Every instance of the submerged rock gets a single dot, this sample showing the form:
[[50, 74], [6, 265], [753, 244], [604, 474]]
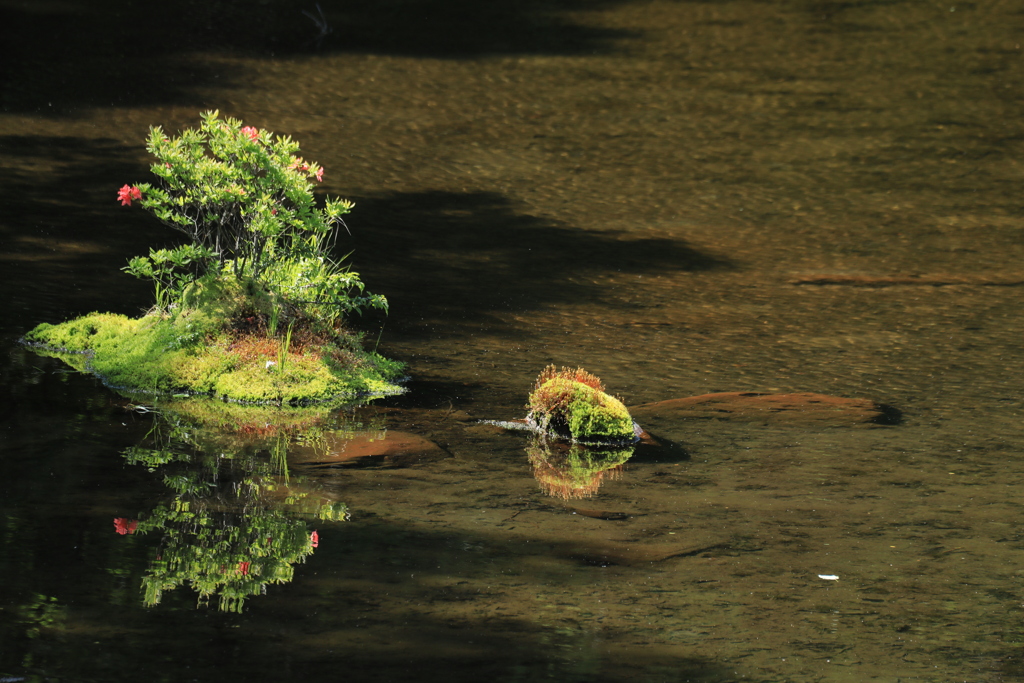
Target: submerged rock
[[780, 409], [387, 446]]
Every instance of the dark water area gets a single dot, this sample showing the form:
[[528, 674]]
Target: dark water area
[[682, 197]]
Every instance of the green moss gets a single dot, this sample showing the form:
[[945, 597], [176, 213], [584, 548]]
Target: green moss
[[196, 352], [579, 410]]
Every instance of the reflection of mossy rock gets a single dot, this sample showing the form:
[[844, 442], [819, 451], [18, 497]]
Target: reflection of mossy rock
[[203, 350], [574, 471], [572, 404]]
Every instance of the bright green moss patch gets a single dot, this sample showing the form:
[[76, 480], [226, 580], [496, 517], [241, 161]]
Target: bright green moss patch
[[573, 404], [200, 352]]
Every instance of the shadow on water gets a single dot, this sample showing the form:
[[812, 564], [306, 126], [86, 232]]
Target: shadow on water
[[66, 237], [85, 54], [464, 28], [461, 257], [438, 256], [410, 597], [58, 179], [379, 619]]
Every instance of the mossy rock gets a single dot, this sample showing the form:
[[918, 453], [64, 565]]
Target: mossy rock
[[200, 350], [573, 405]]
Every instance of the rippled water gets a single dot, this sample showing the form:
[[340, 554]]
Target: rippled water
[[682, 197]]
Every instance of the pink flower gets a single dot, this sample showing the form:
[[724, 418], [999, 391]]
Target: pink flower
[[299, 166], [123, 525], [314, 538], [127, 193], [253, 134], [320, 174], [243, 568]]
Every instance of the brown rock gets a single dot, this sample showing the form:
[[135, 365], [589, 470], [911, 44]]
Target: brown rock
[[1010, 280], [636, 554], [780, 409], [390, 445]]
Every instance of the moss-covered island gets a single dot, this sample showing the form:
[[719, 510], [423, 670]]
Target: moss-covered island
[[252, 308], [572, 404]]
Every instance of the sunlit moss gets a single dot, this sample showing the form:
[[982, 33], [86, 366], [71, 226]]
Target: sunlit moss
[[204, 348], [572, 404]]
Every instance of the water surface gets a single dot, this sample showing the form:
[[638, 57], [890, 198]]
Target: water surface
[[683, 198]]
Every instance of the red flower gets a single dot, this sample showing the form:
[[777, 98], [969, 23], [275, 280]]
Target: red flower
[[243, 568], [314, 538], [320, 175], [253, 134], [123, 525], [127, 193]]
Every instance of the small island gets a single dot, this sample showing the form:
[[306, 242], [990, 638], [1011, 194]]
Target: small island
[[252, 308]]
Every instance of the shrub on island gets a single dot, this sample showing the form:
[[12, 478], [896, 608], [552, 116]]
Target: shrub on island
[[253, 307]]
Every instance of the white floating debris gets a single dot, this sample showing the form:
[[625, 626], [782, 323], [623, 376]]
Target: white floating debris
[[829, 577]]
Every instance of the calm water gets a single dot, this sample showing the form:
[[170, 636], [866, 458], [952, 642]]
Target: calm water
[[682, 197]]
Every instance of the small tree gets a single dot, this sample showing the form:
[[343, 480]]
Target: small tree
[[245, 200]]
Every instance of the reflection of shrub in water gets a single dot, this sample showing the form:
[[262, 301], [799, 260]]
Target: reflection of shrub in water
[[232, 556], [237, 520], [572, 470], [40, 613]]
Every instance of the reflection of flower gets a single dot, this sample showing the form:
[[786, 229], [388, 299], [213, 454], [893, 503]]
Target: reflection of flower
[[123, 525], [220, 554], [230, 542], [127, 193]]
